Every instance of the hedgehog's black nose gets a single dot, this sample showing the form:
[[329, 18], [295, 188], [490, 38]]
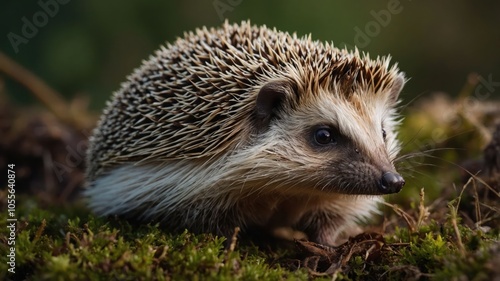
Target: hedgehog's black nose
[[391, 183]]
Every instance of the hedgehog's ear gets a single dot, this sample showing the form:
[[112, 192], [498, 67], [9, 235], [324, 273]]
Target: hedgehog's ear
[[269, 99], [397, 86]]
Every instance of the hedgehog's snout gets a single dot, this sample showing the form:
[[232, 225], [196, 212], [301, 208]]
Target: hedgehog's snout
[[391, 183]]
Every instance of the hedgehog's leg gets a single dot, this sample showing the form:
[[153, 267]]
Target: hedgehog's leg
[[328, 227], [334, 222], [322, 227]]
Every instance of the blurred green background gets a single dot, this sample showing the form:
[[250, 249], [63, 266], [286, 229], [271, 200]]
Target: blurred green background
[[88, 47]]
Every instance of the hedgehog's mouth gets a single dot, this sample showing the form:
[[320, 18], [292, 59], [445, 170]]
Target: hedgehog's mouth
[[388, 182]]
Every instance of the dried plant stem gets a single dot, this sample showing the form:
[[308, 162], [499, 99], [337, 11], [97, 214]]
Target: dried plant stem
[[423, 212], [454, 218], [464, 97], [410, 221], [43, 92], [234, 239]]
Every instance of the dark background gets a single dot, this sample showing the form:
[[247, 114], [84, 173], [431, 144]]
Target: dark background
[[88, 47]]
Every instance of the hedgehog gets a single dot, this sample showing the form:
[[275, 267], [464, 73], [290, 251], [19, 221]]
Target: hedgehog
[[251, 127]]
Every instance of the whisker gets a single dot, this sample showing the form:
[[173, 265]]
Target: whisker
[[403, 107], [413, 138], [477, 178], [424, 153]]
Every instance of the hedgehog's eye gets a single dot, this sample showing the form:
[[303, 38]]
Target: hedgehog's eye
[[324, 136], [384, 134]]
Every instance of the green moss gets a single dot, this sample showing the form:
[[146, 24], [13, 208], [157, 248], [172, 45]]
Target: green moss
[[69, 243], [54, 247]]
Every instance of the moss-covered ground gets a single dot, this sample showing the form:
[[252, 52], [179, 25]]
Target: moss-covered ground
[[445, 225], [71, 244]]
